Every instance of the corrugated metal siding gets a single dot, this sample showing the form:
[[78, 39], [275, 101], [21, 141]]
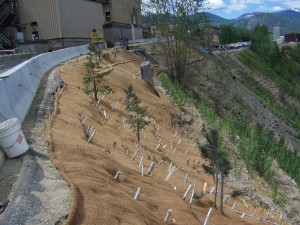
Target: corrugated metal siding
[[122, 11], [44, 12], [79, 17]]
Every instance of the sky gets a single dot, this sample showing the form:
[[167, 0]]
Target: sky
[[230, 9]]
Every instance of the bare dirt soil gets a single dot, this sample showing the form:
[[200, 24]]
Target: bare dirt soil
[[97, 198]]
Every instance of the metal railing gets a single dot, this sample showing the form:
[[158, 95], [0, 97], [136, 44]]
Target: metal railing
[[5, 41]]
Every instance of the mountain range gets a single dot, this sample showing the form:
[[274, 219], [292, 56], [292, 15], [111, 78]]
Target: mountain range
[[288, 20]]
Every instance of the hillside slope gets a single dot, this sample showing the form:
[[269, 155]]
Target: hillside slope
[[243, 97], [90, 167]]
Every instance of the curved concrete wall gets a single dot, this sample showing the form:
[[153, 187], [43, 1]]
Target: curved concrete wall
[[18, 85]]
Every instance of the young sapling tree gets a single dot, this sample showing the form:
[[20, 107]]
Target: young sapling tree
[[137, 114]]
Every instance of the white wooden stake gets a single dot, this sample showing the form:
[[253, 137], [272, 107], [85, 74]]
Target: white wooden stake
[[91, 137], [137, 148], [157, 146], [83, 121], [134, 155], [98, 102], [175, 133], [142, 166], [192, 196], [150, 168], [225, 199], [171, 164], [179, 141], [160, 162], [137, 194], [245, 204], [174, 168], [164, 146], [186, 178], [104, 113], [187, 192], [157, 131], [141, 161], [117, 176], [207, 217], [212, 190], [168, 215], [233, 205]]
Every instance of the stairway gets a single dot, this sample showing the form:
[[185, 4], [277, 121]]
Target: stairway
[[5, 42], [8, 12]]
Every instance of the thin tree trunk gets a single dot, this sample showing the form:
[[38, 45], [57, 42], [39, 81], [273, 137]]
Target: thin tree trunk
[[216, 188], [138, 129], [222, 191], [95, 88]]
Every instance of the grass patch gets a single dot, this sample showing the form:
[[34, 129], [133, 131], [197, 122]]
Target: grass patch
[[258, 146], [285, 84]]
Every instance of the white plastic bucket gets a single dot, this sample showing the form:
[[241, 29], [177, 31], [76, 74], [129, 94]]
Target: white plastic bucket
[[12, 139]]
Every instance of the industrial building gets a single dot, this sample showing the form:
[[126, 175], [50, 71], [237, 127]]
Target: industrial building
[[122, 20], [276, 33], [64, 23], [292, 37]]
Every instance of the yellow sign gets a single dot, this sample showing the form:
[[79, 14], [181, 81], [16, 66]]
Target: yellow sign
[[97, 37]]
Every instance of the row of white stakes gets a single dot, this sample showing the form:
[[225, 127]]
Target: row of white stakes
[[251, 215], [171, 169]]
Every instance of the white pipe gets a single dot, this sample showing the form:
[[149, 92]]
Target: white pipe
[[168, 215], [207, 217], [137, 194], [187, 192]]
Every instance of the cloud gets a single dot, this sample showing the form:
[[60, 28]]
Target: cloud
[[287, 3], [236, 7], [277, 8], [232, 5], [216, 4]]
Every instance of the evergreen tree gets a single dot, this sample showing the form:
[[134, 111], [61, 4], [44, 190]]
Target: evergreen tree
[[223, 166], [210, 150], [92, 78], [137, 114], [219, 161]]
